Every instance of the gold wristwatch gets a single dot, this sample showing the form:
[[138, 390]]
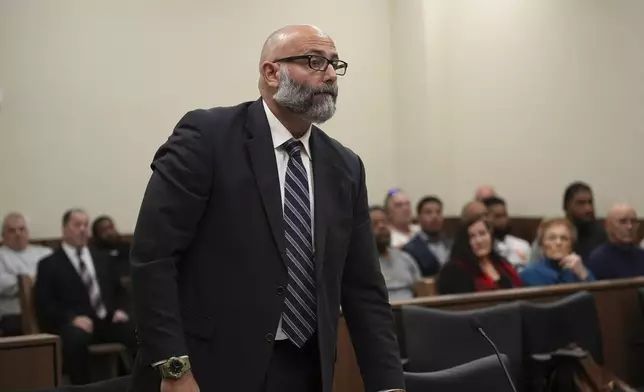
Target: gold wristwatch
[[174, 368]]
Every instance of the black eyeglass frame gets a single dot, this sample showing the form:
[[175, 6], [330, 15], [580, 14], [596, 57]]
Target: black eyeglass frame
[[336, 63]]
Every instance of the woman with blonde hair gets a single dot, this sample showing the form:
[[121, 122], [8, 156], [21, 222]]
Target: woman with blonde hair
[[558, 263]]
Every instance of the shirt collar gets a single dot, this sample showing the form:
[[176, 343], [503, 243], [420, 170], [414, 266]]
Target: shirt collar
[[71, 250], [281, 135]]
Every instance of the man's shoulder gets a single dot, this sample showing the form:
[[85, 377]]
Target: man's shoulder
[[207, 118], [343, 156]]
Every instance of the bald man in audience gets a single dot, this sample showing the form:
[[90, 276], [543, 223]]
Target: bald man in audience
[[474, 210], [17, 257], [621, 257], [483, 192], [399, 212], [253, 232]]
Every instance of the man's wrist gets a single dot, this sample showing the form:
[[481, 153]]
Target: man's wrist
[[157, 364]]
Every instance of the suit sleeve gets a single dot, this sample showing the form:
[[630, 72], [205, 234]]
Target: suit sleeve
[[365, 304], [49, 311], [172, 207]]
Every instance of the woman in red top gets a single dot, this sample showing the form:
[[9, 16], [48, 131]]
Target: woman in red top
[[474, 265]]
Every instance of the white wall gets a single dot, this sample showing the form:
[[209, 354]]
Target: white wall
[[526, 94], [92, 88], [441, 95]]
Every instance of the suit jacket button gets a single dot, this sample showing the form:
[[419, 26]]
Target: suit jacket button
[[280, 290], [270, 337]]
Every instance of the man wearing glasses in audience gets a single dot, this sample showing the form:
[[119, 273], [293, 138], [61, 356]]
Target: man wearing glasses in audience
[[253, 232]]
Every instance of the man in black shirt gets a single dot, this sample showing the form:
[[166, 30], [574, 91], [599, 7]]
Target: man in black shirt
[[106, 238]]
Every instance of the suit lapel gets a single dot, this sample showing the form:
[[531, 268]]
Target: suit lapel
[[71, 269], [327, 187], [262, 159], [102, 275]]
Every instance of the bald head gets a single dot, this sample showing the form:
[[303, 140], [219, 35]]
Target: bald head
[[279, 42], [474, 210], [622, 224], [483, 192], [14, 231]]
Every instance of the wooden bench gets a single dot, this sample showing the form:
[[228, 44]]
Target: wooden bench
[[105, 356], [29, 362], [618, 306]]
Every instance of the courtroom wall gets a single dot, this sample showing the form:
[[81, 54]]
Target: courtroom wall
[[92, 88], [526, 94]]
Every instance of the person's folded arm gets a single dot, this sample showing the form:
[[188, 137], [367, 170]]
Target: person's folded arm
[[8, 280], [365, 304], [172, 207]]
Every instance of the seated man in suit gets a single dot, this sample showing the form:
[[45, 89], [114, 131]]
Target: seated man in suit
[[430, 246], [78, 295]]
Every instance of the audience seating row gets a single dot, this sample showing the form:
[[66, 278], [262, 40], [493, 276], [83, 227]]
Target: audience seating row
[[522, 227], [618, 311]]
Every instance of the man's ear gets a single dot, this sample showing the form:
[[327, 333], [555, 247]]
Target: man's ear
[[271, 73]]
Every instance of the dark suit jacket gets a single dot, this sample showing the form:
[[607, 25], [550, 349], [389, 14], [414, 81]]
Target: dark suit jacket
[[427, 261], [208, 256], [60, 294]]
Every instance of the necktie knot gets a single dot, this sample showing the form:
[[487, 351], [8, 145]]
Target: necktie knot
[[293, 147]]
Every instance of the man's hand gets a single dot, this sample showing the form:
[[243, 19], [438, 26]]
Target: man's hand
[[574, 263], [83, 322], [187, 383], [120, 317]]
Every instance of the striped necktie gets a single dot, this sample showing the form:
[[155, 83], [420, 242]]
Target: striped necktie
[[299, 315], [91, 285]]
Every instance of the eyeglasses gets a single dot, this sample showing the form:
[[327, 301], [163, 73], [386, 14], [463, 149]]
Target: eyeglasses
[[319, 63]]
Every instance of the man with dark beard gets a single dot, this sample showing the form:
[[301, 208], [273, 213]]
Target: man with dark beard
[[254, 230], [514, 249], [579, 206], [107, 239]]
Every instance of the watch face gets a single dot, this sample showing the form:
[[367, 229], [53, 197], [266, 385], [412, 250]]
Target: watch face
[[175, 366]]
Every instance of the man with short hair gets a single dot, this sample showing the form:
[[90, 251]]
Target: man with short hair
[[621, 257], [514, 249], [579, 206], [474, 210], [399, 213], [430, 246], [398, 268], [78, 295], [17, 257], [254, 230]]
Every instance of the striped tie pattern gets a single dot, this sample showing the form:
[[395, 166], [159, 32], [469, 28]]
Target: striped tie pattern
[[92, 287], [299, 318]]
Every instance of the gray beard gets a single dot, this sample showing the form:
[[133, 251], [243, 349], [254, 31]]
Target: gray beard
[[301, 98]]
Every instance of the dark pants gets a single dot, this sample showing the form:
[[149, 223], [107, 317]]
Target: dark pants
[[294, 369], [76, 341], [10, 325]]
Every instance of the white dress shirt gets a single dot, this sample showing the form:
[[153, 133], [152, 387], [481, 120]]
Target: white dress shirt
[[12, 264], [281, 135]]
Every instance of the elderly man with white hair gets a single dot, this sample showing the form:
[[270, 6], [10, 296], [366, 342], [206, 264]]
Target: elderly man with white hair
[[17, 257]]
